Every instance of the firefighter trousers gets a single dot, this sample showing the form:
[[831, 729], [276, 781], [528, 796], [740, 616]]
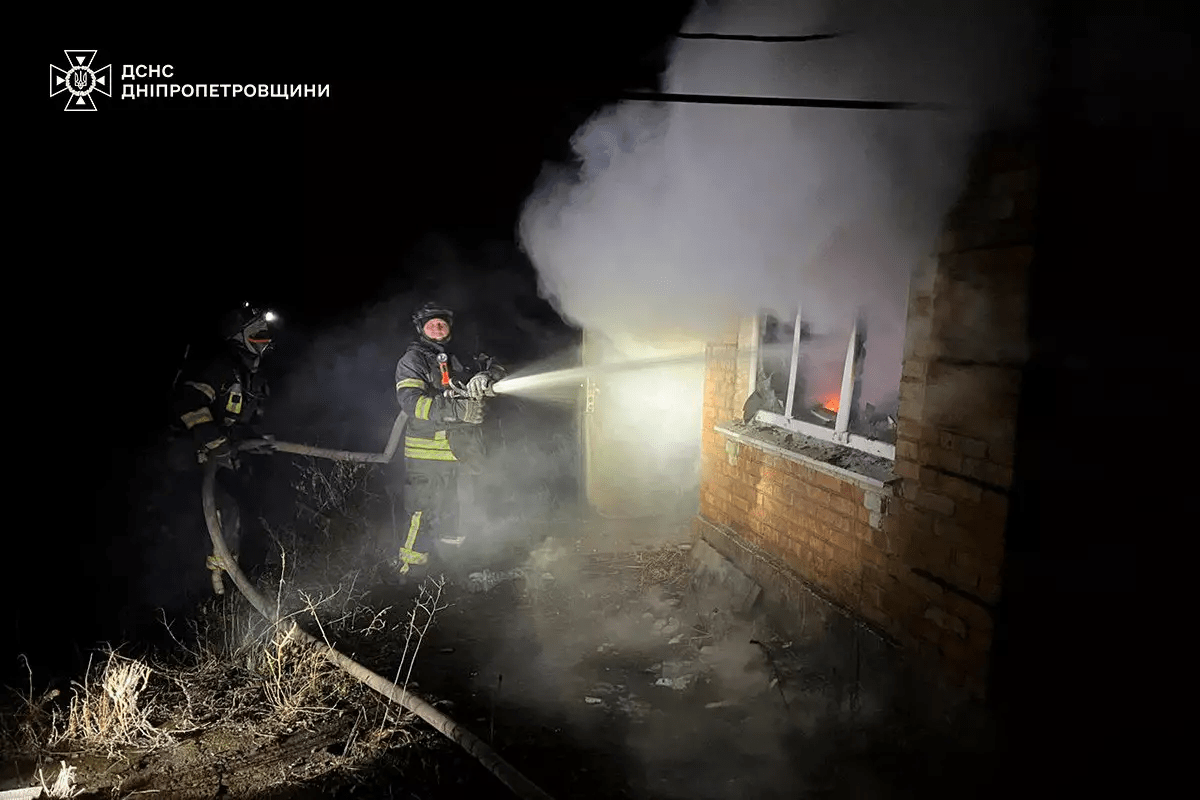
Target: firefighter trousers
[[430, 519]]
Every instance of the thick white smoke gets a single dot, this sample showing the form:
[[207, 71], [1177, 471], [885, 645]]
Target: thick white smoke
[[681, 216]]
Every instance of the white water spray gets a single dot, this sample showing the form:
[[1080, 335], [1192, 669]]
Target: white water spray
[[556, 380]]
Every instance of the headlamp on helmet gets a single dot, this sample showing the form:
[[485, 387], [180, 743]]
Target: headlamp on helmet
[[250, 328]]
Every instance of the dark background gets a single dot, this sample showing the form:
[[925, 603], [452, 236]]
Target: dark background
[[163, 213], [322, 209]]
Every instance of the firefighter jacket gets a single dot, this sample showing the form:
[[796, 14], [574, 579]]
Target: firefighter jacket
[[434, 432], [219, 398]]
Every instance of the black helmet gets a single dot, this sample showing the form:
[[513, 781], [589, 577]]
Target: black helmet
[[431, 310], [249, 327]]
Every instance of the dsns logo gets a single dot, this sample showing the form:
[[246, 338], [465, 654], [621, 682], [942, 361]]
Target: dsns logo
[[80, 80]]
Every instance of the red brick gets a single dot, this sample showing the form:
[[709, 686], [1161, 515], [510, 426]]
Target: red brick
[[879, 540], [907, 449], [1001, 453], [907, 427], [971, 448], [901, 602], [827, 482], [769, 534], [847, 583], [776, 508], [876, 615], [844, 506], [955, 652], [744, 491], [952, 532], [937, 503], [958, 489], [833, 520], [979, 622], [994, 505], [871, 555], [989, 587], [923, 587], [922, 628], [840, 559], [914, 522], [934, 554], [811, 522], [816, 495], [946, 459]]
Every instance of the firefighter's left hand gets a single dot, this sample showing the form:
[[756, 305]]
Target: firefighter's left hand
[[480, 386]]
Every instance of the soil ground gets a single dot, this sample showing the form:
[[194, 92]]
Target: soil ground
[[598, 671]]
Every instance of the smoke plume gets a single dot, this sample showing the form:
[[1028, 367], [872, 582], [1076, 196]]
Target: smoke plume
[[679, 217]]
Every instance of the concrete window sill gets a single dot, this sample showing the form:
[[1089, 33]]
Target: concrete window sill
[[870, 472]]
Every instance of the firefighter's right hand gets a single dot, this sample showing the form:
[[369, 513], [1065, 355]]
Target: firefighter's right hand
[[469, 411]]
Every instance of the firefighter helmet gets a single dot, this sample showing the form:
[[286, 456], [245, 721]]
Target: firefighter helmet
[[430, 311], [249, 327]]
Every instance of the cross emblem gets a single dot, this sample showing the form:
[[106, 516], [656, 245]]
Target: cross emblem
[[80, 80]]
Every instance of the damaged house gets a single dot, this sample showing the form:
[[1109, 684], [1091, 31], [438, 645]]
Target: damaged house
[[888, 514]]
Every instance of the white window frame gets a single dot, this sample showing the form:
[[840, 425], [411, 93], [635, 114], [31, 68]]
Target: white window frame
[[840, 433]]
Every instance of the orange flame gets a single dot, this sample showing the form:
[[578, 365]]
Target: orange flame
[[831, 402]]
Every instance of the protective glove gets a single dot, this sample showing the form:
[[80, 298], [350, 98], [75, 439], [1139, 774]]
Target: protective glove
[[480, 386], [469, 411]]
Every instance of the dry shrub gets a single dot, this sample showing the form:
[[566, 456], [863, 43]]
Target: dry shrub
[[297, 679], [107, 712], [333, 487], [27, 719]]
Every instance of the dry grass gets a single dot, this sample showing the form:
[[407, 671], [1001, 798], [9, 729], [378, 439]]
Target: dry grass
[[111, 711], [667, 566], [239, 672], [27, 725], [332, 488], [64, 783]]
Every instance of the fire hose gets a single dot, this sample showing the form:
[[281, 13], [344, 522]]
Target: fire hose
[[476, 747]]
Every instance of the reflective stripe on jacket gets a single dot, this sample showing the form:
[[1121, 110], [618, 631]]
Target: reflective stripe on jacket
[[431, 417], [216, 394]]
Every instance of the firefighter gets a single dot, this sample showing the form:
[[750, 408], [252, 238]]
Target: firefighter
[[219, 399], [443, 440]]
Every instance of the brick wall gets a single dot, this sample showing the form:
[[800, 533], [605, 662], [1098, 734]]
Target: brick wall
[[919, 557]]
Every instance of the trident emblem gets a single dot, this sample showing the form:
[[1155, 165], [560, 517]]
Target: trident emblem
[[80, 80]]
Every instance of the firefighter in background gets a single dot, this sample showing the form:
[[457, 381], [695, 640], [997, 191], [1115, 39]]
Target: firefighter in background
[[443, 399], [218, 399]]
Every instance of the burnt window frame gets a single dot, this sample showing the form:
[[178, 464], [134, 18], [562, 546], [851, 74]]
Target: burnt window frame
[[847, 402]]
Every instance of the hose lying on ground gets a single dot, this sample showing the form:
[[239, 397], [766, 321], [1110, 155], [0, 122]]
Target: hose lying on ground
[[505, 772]]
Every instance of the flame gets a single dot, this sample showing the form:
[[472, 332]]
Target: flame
[[831, 402]]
